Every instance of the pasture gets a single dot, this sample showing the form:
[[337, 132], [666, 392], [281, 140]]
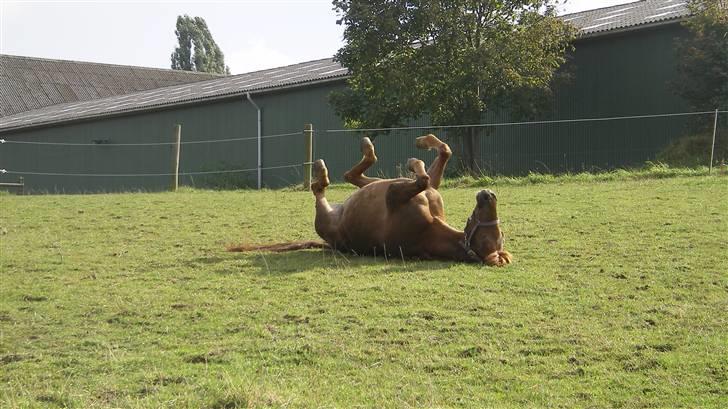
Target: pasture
[[617, 297]]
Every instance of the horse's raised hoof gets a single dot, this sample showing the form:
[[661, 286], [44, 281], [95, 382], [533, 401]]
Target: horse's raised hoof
[[367, 148], [428, 142], [320, 175], [414, 164]]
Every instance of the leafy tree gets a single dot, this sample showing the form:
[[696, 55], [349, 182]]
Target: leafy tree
[[703, 56], [449, 59], [197, 51]]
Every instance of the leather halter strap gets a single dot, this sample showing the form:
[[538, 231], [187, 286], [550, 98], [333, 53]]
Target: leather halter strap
[[469, 235]]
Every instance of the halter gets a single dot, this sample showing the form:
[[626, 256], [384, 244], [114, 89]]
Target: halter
[[469, 236]]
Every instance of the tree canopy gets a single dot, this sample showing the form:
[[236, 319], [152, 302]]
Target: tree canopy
[[703, 56], [197, 50], [449, 59]]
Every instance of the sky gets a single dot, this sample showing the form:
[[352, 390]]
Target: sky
[[253, 34]]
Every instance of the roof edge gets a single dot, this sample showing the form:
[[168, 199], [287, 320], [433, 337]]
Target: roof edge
[[24, 57], [163, 107], [600, 8], [623, 30]]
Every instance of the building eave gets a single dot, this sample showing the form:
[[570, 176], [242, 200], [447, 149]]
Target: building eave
[[168, 106], [618, 31]]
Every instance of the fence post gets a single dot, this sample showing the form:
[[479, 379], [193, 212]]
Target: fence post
[[175, 157], [712, 146], [21, 182], [308, 141]]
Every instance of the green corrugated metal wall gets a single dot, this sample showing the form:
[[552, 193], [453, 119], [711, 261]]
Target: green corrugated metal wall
[[615, 75]]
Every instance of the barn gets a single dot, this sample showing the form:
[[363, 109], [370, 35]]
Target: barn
[[246, 130]]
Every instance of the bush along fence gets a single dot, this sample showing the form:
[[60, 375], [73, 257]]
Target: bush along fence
[[276, 160]]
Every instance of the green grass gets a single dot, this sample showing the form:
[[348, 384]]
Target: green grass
[[649, 171], [618, 297]]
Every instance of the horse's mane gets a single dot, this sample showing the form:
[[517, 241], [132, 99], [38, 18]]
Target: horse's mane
[[280, 247]]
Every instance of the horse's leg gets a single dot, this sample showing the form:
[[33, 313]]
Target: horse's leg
[[437, 168], [326, 216], [401, 192], [355, 175]]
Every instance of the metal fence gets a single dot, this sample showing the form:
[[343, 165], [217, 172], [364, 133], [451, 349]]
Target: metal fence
[[505, 148], [517, 148]]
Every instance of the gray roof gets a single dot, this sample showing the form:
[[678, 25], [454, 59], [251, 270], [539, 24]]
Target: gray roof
[[28, 83], [592, 22], [307, 72], [627, 16]]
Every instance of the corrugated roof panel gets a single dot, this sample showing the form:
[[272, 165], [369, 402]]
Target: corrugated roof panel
[[52, 91], [109, 79], [66, 92], [591, 22]]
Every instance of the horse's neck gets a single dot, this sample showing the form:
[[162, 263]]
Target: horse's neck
[[447, 242]]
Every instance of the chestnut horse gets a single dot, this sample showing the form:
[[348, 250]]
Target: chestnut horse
[[401, 217]]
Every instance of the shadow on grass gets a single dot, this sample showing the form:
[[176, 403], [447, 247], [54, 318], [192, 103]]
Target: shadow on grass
[[306, 260]]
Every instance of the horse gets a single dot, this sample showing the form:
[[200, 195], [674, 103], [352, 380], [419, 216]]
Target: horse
[[401, 217]]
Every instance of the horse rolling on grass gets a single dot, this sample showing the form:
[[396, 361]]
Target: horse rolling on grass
[[401, 217]]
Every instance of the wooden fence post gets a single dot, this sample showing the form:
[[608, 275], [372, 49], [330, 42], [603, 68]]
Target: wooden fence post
[[175, 157], [712, 145], [308, 140]]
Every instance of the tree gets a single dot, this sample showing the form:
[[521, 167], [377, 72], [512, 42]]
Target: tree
[[449, 59], [703, 56], [197, 51]]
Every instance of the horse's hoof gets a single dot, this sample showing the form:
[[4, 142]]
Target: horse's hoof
[[320, 172], [367, 148], [428, 142], [411, 163], [319, 167]]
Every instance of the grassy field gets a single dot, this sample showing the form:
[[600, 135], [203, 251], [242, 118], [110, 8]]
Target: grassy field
[[618, 297]]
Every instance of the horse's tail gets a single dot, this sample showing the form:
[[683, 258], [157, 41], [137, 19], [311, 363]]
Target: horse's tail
[[280, 247]]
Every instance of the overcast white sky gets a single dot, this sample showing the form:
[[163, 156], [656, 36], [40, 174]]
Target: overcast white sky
[[252, 34]]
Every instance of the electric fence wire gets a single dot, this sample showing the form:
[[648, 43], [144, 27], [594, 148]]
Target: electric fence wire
[[497, 124], [3, 141], [212, 172]]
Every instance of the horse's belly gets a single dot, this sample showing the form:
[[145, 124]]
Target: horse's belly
[[363, 224], [367, 226]]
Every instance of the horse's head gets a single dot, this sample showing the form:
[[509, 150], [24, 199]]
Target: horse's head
[[483, 236]]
